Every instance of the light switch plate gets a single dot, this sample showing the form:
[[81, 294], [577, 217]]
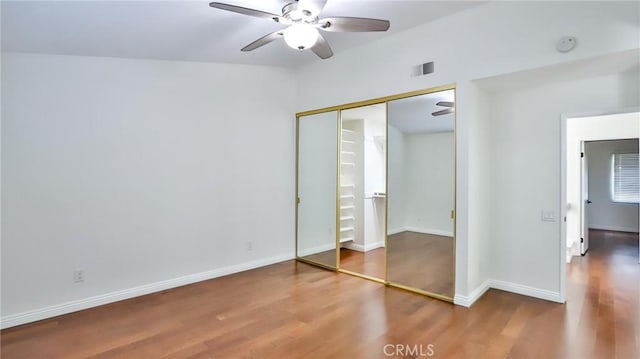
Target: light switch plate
[[548, 216]]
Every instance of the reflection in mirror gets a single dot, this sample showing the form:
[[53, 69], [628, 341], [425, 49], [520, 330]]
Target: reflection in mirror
[[317, 182], [421, 196], [362, 190]]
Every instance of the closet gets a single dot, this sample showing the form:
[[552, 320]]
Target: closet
[[375, 185]]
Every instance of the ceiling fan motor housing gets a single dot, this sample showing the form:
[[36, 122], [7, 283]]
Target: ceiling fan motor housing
[[298, 16]]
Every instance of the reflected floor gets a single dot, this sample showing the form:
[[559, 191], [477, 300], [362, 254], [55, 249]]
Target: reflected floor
[[423, 261], [327, 258], [369, 263], [419, 260]]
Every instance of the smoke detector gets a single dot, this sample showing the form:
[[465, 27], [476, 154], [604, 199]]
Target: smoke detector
[[566, 43]]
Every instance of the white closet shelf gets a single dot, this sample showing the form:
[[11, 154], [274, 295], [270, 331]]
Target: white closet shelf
[[346, 141], [348, 164], [346, 239], [347, 185], [346, 229], [346, 218], [347, 207], [348, 153], [347, 196], [347, 131]]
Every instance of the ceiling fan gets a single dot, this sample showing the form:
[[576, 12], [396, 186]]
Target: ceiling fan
[[301, 17], [446, 111]]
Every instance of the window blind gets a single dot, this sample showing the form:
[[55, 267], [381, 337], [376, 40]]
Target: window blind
[[626, 178]]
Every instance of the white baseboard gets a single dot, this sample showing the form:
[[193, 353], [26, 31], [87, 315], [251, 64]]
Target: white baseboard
[[468, 300], [363, 248], [605, 227], [393, 231], [435, 232], [86, 303], [526, 290], [316, 250]]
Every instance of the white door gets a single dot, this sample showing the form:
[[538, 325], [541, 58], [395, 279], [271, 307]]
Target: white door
[[584, 201]]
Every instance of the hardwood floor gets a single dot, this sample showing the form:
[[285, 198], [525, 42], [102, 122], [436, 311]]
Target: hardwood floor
[[293, 310], [369, 263], [423, 261], [328, 258]]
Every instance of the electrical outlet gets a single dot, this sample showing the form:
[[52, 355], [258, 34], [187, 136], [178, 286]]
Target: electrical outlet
[[78, 276], [249, 245]]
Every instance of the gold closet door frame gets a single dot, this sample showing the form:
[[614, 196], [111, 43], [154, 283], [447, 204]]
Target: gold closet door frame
[[375, 101]]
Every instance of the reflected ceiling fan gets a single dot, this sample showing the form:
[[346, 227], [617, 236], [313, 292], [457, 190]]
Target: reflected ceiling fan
[[450, 108], [301, 17]]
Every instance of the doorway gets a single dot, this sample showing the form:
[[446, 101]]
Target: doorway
[[610, 196], [591, 187]]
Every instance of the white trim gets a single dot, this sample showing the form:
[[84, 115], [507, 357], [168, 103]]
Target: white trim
[[102, 299], [467, 301], [613, 228], [363, 248], [396, 231], [435, 232], [527, 290], [316, 250]]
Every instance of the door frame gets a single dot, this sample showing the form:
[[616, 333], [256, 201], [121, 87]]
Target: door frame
[[562, 258]]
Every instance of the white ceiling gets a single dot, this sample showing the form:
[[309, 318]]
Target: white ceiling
[[412, 115], [190, 30]]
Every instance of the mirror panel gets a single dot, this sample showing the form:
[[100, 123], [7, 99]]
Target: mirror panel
[[362, 190], [421, 192], [317, 178]]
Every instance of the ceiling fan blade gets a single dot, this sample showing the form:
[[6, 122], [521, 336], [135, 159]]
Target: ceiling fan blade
[[322, 48], [246, 11], [443, 112], [263, 41], [445, 103], [315, 6], [353, 24]]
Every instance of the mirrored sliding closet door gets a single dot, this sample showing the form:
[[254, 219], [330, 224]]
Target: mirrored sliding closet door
[[317, 178], [421, 193]]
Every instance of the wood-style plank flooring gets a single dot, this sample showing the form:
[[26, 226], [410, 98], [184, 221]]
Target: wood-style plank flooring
[[369, 263], [293, 310], [423, 261]]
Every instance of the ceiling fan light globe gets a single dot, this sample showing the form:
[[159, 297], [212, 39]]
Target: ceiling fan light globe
[[301, 36]]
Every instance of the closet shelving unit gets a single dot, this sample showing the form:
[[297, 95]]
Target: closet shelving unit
[[347, 187]]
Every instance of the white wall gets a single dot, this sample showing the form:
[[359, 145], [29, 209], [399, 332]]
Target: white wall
[[317, 173], [488, 40], [479, 196], [603, 212], [525, 126], [137, 172], [396, 187], [430, 161]]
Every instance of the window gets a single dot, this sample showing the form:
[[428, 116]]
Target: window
[[625, 181]]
